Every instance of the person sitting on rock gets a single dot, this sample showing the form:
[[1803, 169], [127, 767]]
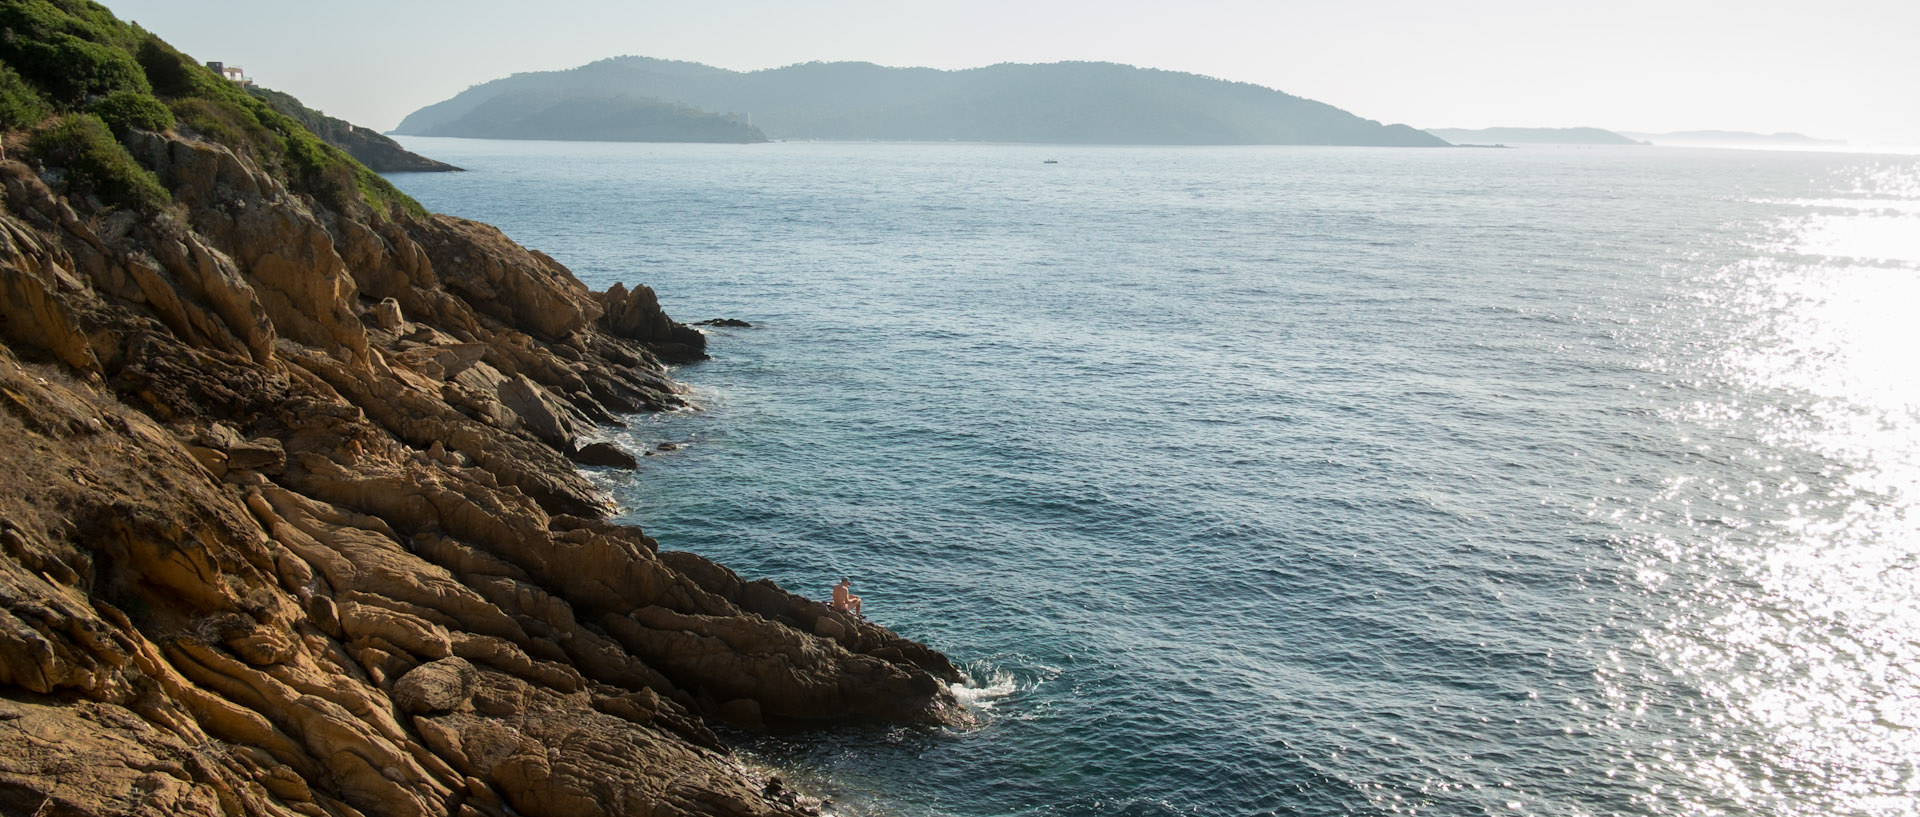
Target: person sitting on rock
[[843, 598]]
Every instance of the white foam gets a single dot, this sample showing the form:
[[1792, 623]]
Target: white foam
[[981, 696]]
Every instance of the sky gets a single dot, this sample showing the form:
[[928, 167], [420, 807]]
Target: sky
[[1838, 69]]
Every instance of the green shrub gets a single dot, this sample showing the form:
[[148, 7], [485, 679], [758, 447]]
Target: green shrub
[[222, 121], [71, 54], [328, 174], [70, 50], [20, 105], [97, 163], [96, 22], [382, 196], [130, 110], [71, 69], [174, 74], [208, 119], [317, 167]]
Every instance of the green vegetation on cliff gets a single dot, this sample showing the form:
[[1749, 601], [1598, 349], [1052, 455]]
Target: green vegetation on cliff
[[96, 164], [291, 523], [64, 63], [372, 149], [20, 104], [131, 110], [1067, 103]]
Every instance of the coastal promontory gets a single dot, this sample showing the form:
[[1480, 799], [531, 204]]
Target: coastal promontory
[[366, 145], [291, 522]]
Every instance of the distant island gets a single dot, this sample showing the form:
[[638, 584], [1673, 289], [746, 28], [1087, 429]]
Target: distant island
[[1531, 136], [644, 99], [1734, 138], [588, 116]]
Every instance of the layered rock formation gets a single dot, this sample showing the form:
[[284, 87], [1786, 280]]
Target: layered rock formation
[[289, 527]]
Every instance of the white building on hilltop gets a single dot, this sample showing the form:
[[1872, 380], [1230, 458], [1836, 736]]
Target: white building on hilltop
[[233, 73]]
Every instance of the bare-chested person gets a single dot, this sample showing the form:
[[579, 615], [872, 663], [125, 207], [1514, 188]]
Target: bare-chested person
[[843, 598]]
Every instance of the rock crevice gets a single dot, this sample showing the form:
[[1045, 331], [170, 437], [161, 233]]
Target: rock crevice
[[291, 526]]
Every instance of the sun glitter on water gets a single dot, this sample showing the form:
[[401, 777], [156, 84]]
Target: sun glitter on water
[[1355, 401], [1794, 608]]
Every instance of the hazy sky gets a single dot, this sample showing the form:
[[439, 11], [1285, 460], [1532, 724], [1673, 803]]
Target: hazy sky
[[1831, 68]]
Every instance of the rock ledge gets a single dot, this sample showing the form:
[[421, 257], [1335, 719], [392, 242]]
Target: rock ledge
[[290, 525]]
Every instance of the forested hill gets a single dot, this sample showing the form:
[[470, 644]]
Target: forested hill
[[1067, 103]]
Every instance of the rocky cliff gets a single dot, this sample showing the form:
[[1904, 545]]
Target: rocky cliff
[[288, 522]]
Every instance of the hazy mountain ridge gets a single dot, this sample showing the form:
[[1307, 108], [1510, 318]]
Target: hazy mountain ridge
[[538, 114], [1070, 102], [1531, 136], [1727, 137]]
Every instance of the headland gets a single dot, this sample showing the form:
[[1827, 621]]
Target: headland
[[293, 521]]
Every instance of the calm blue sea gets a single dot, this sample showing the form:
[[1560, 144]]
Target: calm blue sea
[[1299, 481]]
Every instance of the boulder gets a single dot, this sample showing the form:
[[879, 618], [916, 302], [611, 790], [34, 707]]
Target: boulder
[[828, 628], [263, 454], [438, 686], [636, 314], [606, 455], [386, 315], [547, 416]]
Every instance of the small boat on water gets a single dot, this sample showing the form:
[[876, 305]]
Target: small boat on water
[[1051, 162]]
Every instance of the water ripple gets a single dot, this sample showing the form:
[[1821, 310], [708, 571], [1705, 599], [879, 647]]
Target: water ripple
[[1301, 481]]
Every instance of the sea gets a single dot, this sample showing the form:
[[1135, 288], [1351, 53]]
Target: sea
[[1296, 480]]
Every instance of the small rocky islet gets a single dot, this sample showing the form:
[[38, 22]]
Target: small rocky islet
[[292, 521]]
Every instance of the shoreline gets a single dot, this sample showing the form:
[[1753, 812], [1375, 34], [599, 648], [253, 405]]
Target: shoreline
[[362, 553], [297, 525]]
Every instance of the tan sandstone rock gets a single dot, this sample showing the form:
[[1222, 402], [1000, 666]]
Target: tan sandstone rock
[[290, 527]]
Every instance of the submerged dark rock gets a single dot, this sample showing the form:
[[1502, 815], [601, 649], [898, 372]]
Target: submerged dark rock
[[733, 323]]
